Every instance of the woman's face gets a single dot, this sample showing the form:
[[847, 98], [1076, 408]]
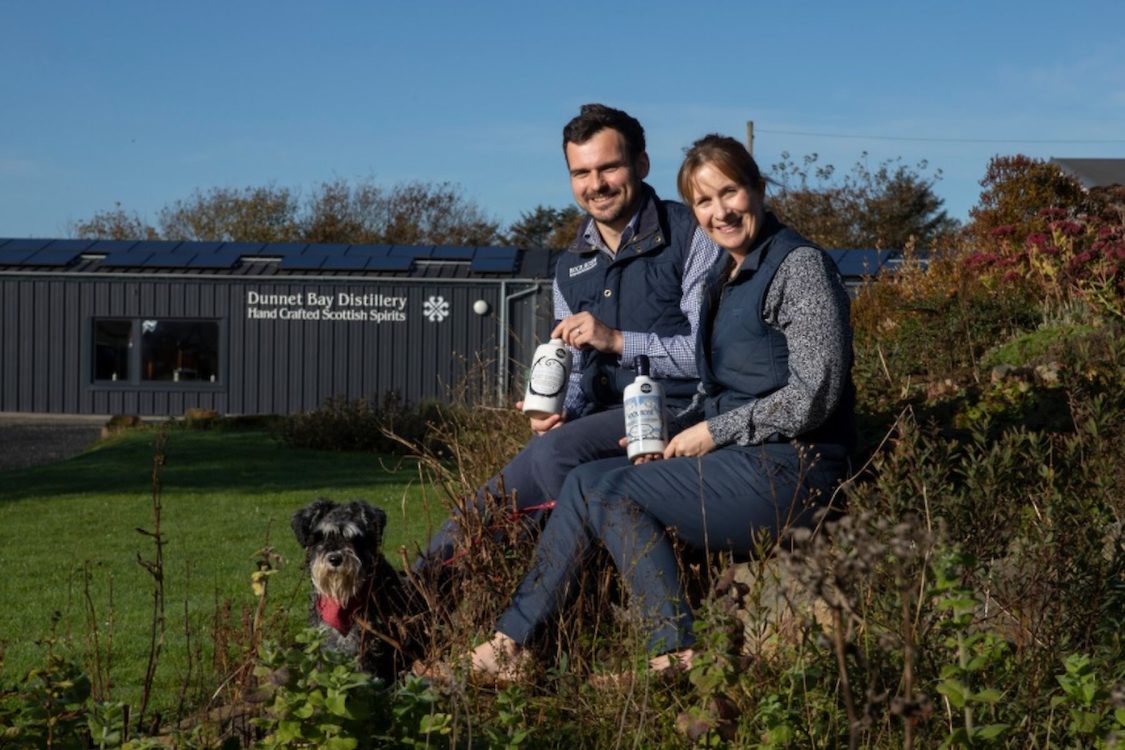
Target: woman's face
[[729, 212]]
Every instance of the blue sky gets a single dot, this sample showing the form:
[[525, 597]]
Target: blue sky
[[140, 103]]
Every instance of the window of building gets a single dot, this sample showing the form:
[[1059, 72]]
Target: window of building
[[155, 351], [179, 350], [111, 349]]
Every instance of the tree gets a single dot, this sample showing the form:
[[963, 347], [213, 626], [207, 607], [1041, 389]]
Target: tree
[[1017, 190], [262, 214], [415, 213], [337, 212], [116, 224], [418, 213], [544, 227], [889, 207]]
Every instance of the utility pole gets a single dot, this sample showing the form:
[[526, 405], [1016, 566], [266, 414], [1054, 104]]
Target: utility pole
[[750, 136]]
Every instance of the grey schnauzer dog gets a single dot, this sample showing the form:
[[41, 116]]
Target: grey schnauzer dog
[[363, 605]]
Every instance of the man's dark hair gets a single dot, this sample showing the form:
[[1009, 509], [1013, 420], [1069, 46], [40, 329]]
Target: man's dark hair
[[596, 117]]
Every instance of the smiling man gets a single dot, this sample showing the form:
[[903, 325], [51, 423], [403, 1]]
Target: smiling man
[[629, 284]]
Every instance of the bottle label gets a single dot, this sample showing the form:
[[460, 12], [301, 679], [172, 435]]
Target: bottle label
[[548, 375], [644, 417]]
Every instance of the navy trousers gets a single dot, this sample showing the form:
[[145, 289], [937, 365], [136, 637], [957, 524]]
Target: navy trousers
[[721, 501], [536, 474]]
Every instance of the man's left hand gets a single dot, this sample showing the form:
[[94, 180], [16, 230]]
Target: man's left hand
[[583, 330]]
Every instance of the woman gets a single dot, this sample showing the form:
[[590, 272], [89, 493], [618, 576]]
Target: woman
[[764, 443]]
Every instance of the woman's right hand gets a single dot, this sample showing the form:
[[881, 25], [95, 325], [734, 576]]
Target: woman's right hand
[[694, 441]]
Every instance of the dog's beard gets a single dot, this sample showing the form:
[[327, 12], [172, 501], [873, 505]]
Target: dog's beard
[[340, 582]]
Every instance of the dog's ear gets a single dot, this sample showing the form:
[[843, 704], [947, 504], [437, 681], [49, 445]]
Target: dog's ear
[[374, 519], [306, 518]]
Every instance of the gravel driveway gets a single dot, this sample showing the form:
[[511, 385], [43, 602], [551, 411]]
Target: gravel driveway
[[34, 439]]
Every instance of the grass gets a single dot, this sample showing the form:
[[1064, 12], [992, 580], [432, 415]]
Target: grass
[[225, 496]]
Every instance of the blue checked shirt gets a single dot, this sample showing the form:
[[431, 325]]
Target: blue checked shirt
[[669, 356]]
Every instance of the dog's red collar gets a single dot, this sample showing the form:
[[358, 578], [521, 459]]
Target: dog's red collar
[[338, 616]]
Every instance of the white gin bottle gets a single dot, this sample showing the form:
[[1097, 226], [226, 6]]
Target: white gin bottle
[[644, 412], [547, 379]]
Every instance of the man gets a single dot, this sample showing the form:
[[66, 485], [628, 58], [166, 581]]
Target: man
[[629, 284]]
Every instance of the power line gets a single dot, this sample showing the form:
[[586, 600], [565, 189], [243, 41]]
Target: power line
[[935, 140]]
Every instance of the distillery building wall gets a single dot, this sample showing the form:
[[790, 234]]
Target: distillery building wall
[[158, 345]]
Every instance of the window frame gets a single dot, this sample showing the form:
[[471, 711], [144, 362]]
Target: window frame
[[136, 381]]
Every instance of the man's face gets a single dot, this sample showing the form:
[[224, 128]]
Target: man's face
[[606, 183]]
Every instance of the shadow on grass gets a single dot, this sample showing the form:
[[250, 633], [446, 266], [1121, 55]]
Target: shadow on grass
[[202, 461]]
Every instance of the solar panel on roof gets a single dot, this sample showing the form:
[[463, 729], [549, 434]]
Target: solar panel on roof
[[128, 259], [283, 248], [390, 263], [156, 246], [411, 251], [493, 265], [29, 245], [13, 257], [325, 250], [111, 246], [301, 262], [53, 258], [345, 262], [214, 260], [369, 250], [242, 248], [450, 252], [199, 247], [861, 262], [78, 245], [494, 252], [3, 241], [171, 260]]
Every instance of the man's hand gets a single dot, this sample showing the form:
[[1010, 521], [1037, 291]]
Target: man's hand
[[541, 425], [694, 441], [583, 330]]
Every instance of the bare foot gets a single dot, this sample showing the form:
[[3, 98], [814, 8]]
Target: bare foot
[[665, 666], [672, 662], [500, 658]]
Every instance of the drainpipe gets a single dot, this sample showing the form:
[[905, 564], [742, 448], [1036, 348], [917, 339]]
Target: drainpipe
[[502, 364]]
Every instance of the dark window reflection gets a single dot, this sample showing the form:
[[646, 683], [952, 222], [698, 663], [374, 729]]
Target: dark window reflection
[[111, 349], [180, 351]]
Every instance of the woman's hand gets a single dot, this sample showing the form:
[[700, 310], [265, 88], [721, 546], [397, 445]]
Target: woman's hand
[[694, 441]]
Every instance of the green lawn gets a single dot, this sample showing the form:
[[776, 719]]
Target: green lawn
[[225, 496]]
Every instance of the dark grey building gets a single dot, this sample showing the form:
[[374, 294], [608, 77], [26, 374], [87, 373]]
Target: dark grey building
[[155, 328], [1092, 173]]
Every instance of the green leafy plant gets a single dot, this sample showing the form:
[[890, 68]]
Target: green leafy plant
[[1094, 720]]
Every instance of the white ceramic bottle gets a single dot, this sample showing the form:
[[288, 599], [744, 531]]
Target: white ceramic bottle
[[547, 379], [644, 412]]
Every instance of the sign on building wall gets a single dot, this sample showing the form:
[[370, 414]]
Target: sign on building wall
[[349, 306]]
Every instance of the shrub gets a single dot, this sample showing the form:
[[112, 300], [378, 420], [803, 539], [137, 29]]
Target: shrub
[[344, 424]]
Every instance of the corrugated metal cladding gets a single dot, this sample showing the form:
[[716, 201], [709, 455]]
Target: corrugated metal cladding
[[285, 344]]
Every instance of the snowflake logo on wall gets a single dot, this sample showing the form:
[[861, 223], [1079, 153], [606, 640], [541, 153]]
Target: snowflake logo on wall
[[436, 309]]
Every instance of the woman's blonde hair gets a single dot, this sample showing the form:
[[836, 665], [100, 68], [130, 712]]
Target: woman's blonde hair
[[728, 156]]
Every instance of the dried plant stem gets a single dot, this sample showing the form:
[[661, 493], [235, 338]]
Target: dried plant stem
[[155, 568], [845, 685]]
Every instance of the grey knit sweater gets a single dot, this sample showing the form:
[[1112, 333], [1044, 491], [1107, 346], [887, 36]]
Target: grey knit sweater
[[807, 302]]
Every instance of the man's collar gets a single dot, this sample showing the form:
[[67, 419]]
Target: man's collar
[[593, 237]]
